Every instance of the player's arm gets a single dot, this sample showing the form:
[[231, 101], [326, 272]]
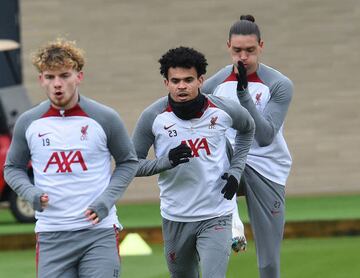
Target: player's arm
[[144, 138], [215, 80], [15, 169], [244, 124], [270, 121], [126, 163]]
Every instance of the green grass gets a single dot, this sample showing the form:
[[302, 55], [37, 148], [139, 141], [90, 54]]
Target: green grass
[[297, 209], [323, 208], [330, 257], [139, 215], [148, 215], [8, 224]]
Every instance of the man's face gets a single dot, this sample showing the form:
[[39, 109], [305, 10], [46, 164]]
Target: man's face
[[247, 49], [183, 84], [61, 86]]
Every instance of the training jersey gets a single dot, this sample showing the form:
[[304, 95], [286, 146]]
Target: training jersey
[[70, 152], [192, 191], [267, 99]]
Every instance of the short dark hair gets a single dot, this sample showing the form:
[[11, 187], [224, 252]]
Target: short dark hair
[[245, 26], [183, 57]]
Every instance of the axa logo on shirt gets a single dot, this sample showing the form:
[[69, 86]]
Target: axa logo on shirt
[[197, 145], [62, 161]]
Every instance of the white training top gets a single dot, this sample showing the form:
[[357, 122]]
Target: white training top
[[267, 99], [192, 191], [71, 153]]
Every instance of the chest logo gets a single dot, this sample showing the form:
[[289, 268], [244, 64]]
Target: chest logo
[[167, 127], [197, 145], [43, 134], [213, 122], [84, 133], [258, 98], [64, 161]]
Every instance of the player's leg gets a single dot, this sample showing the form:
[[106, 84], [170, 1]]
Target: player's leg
[[266, 206], [101, 257], [56, 255], [213, 245], [239, 242], [180, 249]]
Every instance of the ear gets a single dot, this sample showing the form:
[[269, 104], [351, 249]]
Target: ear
[[228, 44], [201, 80], [40, 79], [80, 75], [166, 84], [261, 44]]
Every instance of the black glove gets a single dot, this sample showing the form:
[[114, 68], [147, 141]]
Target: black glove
[[230, 187], [241, 77], [179, 154]]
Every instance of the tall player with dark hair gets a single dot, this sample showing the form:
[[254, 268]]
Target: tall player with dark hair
[[266, 94], [197, 180]]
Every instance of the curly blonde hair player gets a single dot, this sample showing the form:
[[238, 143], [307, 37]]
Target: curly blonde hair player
[[58, 54], [68, 160]]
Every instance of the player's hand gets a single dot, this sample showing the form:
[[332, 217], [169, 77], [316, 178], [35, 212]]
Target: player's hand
[[44, 201], [230, 187], [92, 216], [241, 77], [179, 154]]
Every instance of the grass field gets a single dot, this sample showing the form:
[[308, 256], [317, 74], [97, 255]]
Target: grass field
[[316, 258], [148, 215], [328, 257], [297, 209]]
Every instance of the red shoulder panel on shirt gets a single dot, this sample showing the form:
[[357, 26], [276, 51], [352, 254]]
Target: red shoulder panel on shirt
[[168, 108], [75, 111], [231, 77], [254, 78], [251, 78], [210, 104]]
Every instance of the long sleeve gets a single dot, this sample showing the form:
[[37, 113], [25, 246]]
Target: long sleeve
[[215, 80], [143, 139], [126, 164], [244, 125], [270, 121], [15, 169]]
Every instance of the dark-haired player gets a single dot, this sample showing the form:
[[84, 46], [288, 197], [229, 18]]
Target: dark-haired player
[[266, 94], [197, 180]]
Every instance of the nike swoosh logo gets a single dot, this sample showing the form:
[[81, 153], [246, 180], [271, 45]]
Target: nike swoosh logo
[[274, 212], [167, 127], [41, 135]]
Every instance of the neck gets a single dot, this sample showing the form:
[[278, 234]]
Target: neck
[[189, 109]]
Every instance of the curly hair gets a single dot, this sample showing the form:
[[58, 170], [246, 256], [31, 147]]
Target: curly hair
[[183, 57], [58, 54]]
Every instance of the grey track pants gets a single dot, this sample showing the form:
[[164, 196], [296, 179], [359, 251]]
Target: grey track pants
[[188, 244], [91, 253], [266, 206]]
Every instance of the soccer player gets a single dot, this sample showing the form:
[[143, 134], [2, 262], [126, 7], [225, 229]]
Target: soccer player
[[70, 140], [197, 180], [266, 94]]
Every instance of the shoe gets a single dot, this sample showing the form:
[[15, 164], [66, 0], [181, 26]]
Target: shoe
[[239, 244]]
